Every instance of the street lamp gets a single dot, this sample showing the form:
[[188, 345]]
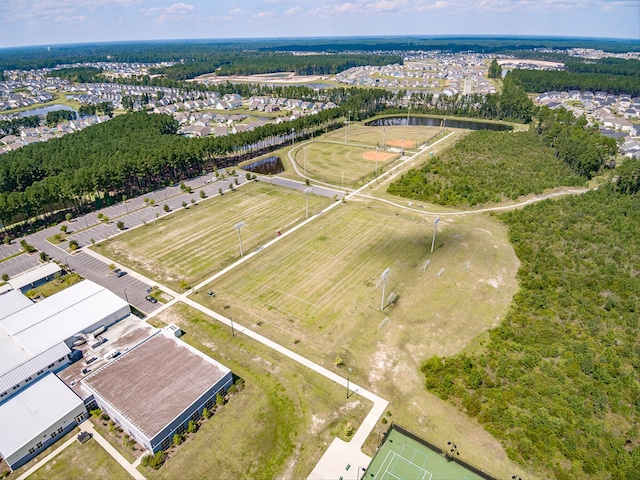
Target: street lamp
[[346, 132], [238, 226], [384, 131], [125, 295], [307, 191], [408, 113], [293, 137], [435, 224]]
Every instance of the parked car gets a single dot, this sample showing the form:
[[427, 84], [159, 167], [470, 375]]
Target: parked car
[[121, 274], [151, 299]]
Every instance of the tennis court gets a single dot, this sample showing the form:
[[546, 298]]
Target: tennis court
[[401, 457]]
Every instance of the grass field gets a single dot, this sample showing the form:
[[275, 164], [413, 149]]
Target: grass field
[[338, 163], [316, 294], [89, 462], [278, 426], [192, 244]]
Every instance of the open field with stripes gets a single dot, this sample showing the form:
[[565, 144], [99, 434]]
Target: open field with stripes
[[192, 244]]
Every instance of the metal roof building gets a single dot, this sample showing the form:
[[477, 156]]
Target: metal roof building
[[154, 389], [35, 337], [31, 420], [34, 277]]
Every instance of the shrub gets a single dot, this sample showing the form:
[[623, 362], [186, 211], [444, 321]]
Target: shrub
[[348, 429], [220, 191], [96, 412], [6, 240], [232, 390], [68, 216], [184, 204], [5, 277], [44, 257], [192, 427], [153, 461], [231, 186], [166, 207], [73, 245], [338, 361], [63, 228], [219, 399], [235, 180], [193, 201], [202, 194], [239, 383], [120, 225], [248, 176], [177, 439], [206, 413]]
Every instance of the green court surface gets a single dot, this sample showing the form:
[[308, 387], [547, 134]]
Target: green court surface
[[401, 457]]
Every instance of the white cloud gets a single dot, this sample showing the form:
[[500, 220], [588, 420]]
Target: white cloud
[[262, 15], [293, 11]]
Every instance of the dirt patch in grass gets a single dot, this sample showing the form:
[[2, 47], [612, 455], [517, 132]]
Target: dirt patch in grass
[[378, 156], [401, 143]]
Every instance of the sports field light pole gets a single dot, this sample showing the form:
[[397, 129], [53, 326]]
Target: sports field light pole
[[346, 132], [435, 224], [408, 113], [384, 131], [383, 283], [238, 226], [307, 191]]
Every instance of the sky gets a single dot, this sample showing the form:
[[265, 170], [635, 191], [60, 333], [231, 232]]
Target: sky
[[50, 22]]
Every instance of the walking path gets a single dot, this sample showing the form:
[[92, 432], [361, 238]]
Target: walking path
[[88, 427]]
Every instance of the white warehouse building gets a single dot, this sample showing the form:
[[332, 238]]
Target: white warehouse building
[[36, 418], [35, 339]]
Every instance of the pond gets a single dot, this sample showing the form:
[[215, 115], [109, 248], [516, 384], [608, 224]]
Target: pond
[[437, 122], [44, 110], [265, 166]]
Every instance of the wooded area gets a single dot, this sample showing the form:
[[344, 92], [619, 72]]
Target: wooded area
[[538, 81], [485, 167], [558, 380]]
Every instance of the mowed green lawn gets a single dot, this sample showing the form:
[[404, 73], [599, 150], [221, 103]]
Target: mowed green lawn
[[278, 426], [89, 462], [190, 245], [339, 164], [316, 293], [319, 285]]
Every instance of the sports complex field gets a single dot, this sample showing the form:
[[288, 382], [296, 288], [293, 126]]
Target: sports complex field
[[402, 457], [192, 244], [340, 164]]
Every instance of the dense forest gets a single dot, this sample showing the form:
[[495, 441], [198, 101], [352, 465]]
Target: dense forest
[[558, 381], [485, 167], [249, 63], [27, 58], [137, 152], [490, 166], [537, 81]]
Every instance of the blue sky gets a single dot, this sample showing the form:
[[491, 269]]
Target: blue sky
[[48, 22]]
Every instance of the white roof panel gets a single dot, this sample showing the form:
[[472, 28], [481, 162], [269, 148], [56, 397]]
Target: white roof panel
[[34, 275], [13, 301], [34, 410], [61, 316], [32, 366], [11, 353]]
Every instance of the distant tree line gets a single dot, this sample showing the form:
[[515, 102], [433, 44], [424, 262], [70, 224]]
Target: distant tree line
[[58, 116], [79, 74], [537, 81], [511, 104], [138, 152], [104, 108], [12, 127]]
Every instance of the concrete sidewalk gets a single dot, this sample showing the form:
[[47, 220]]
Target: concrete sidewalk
[[131, 470]]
